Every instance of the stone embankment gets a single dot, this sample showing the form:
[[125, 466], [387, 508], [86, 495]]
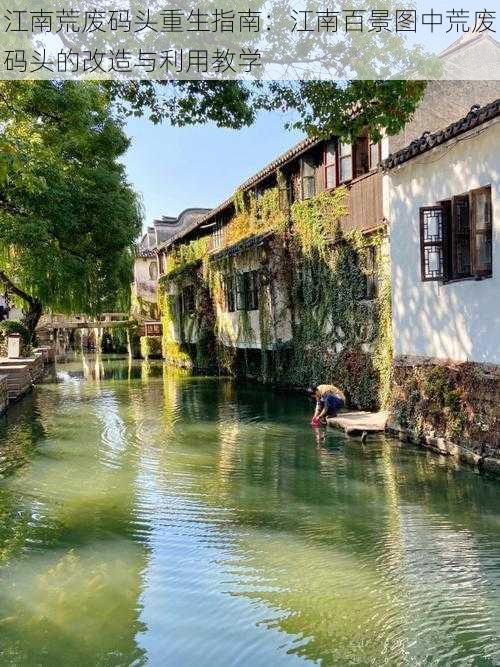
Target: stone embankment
[[19, 374]]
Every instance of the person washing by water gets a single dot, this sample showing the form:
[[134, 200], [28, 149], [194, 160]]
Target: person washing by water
[[329, 400]]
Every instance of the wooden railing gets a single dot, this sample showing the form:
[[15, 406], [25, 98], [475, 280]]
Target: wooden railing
[[365, 203]]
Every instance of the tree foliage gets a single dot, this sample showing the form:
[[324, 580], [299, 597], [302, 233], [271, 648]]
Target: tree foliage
[[68, 217], [320, 107]]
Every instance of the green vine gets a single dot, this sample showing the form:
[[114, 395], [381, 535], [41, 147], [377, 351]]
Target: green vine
[[183, 258], [337, 335], [315, 221]]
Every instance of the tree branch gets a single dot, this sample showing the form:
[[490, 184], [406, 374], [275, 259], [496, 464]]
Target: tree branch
[[16, 290]]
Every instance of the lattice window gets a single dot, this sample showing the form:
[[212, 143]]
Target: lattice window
[[431, 242]]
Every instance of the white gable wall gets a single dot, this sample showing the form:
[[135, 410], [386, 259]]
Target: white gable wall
[[461, 320]]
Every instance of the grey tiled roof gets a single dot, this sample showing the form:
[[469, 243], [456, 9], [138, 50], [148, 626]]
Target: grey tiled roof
[[290, 154], [476, 116]]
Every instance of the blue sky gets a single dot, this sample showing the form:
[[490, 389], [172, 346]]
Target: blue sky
[[175, 168]]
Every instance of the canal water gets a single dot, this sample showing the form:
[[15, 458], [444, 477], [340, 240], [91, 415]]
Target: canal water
[[147, 517]]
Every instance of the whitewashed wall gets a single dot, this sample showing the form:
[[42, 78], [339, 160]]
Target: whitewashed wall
[[144, 287], [229, 328], [459, 321]]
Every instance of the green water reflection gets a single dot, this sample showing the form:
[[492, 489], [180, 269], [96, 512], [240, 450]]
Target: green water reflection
[[150, 517]]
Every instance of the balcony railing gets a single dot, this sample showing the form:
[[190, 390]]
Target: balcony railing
[[364, 202]]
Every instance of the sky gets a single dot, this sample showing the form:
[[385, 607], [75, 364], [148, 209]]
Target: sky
[[178, 168]]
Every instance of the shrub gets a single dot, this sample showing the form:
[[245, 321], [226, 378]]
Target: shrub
[[150, 346], [8, 327]]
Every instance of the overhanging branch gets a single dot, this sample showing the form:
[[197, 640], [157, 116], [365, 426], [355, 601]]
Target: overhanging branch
[[17, 290]]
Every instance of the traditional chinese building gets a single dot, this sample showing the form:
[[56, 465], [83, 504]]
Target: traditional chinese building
[[288, 281], [144, 287], [444, 210]]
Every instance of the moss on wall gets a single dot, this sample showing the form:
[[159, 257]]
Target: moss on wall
[[151, 347], [458, 402]]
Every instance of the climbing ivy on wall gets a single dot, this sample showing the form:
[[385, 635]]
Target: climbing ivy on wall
[[184, 257], [337, 335], [255, 215], [315, 221], [188, 340]]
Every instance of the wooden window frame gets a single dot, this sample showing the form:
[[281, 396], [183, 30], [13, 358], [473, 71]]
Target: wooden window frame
[[480, 273], [459, 237], [311, 179], [251, 279], [229, 293], [342, 158], [239, 281], [452, 237], [364, 168], [436, 243], [330, 165]]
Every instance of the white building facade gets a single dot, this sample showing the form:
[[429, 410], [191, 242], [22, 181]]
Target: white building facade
[[442, 195], [444, 212]]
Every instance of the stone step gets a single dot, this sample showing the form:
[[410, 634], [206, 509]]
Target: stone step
[[358, 423], [18, 380], [35, 365]]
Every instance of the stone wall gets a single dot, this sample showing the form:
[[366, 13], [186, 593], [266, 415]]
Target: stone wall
[[447, 405], [4, 393]]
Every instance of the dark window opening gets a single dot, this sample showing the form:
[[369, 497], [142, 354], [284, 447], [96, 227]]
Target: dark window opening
[[229, 296], [456, 237], [361, 156], [242, 291], [251, 290]]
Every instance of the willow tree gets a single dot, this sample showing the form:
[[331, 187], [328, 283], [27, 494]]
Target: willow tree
[[68, 216]]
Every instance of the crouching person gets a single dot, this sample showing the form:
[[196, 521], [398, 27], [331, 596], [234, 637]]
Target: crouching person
[[329, 400]]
